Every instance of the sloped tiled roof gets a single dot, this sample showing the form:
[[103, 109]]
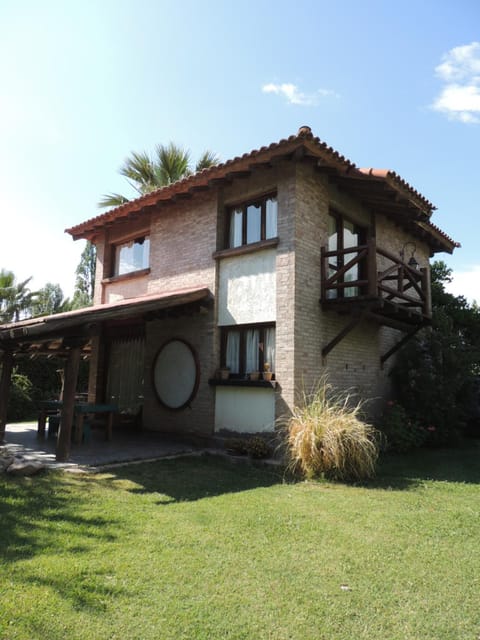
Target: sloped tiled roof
[[380, 189], [24, 333]]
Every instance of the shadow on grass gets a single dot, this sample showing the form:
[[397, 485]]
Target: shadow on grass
[[42, 512], [194, 478], [410, 470]]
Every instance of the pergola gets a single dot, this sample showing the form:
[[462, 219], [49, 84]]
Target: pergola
[[72, 334]]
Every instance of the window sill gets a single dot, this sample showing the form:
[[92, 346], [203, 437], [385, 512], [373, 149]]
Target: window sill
[[246, 248], [127, 276], [259, 384]]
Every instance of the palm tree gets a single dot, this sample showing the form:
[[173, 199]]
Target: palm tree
[[146, 173], [16, 299]]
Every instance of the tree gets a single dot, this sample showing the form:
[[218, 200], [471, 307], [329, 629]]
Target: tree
[[49, 300], [85, 281], [436, 375], [146, 173], [16, 298]]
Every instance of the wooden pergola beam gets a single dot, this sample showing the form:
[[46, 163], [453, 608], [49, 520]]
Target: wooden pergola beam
[[68, 406], [7, 367]]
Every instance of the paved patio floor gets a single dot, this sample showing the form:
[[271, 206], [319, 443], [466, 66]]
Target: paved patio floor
[[21, 439]]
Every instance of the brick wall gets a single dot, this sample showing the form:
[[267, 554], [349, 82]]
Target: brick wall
[[199, 331], [183, 238], [354, 363]]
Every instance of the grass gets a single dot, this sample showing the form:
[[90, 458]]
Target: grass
[[201, 548]]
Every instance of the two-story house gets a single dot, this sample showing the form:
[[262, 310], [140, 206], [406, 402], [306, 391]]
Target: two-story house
[[289, 256]]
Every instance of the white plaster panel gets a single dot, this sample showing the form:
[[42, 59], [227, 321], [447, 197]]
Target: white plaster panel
[[247, 289], [244, 410]]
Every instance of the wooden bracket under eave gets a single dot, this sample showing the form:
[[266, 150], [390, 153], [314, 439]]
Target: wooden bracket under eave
[[340, 336], [400, 343]]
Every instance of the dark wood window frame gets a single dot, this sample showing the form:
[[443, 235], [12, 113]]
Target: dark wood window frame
[[116, 246], [242, 329], [260, 201], [363, 232]]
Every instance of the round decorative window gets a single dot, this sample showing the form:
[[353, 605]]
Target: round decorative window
[[175, 374]]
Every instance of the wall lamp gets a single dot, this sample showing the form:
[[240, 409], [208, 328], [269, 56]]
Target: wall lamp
[[412, 263]]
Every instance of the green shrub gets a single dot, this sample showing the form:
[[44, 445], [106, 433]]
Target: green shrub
[[20, 403], [237, 446], [255, 446], [258, 447], [325, 436], [401, 432]]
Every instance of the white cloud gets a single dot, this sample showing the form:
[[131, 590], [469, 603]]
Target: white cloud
[[459, 98], [293, 95], [466, 283]]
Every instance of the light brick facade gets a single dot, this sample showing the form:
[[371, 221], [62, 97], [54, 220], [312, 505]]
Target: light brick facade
[[185, 235]]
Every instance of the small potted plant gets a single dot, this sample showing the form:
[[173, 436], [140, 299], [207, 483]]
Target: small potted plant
[[254, 375], [267, 374], [224, 373]]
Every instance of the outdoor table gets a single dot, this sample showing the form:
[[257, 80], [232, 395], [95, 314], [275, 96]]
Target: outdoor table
[[47, 408], [86, 408], [82, 409]]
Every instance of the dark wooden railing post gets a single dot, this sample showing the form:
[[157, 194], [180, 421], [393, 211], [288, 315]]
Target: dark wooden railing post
[[68, 406], [323, 274], [427, 291], [5, 379], [372, 267]]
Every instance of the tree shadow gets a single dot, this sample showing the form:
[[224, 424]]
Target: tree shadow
[[408, 471], [193, 478], [41, 512]]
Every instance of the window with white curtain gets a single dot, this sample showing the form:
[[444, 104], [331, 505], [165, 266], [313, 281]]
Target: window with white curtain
[[252, 221], [247, 348], [131, 256]]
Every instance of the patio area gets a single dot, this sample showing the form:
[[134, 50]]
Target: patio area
[[125, 447]]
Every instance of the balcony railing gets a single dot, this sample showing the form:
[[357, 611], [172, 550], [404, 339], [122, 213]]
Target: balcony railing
[[377, 280]]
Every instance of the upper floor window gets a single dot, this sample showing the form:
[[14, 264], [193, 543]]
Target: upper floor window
[[131, 256], [252, 221], [344, 237]]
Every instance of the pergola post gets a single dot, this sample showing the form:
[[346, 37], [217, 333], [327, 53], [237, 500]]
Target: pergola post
[[7, 367], [68, 406]]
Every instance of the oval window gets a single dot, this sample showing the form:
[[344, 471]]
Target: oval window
[[175, 374]]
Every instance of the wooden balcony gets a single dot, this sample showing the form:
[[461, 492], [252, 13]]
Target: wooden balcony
[[370, 281]]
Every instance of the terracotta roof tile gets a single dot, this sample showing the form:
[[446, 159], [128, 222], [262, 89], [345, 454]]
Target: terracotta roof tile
[[304, 139], [392, 177], [201, 179]]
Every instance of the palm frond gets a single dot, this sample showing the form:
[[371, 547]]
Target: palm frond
[[140, 168], [206, 160], [112, 200], [172, 163]]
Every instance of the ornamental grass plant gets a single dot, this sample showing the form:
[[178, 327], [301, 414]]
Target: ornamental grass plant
[[326, 436]]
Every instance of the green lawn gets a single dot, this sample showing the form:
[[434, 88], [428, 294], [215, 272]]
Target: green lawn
[[203, 548]]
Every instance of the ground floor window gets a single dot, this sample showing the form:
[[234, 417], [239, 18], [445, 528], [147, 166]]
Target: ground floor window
[[248, 348]]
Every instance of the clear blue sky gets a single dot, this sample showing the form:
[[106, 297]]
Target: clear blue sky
[[387, 84]]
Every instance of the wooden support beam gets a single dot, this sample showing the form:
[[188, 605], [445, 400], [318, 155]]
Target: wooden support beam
[[7, 366], [340, 336], [400, 344], [67, 414]]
